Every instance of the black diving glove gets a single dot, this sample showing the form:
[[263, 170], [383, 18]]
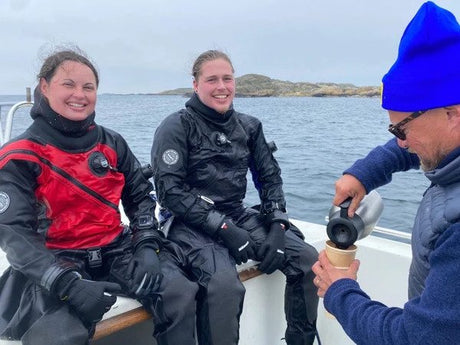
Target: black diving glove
[[271, 252], [144, 271], [90, 299], [237, 240]]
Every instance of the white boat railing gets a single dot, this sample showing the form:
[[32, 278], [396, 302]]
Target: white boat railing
[[5, 134], [393, 233]]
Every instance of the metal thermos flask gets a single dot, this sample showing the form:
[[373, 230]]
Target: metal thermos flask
[[343, 231]]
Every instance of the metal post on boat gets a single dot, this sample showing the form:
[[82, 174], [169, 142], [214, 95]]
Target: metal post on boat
[[9, 117]]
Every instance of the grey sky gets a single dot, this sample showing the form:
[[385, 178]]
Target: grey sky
[[142, 46]]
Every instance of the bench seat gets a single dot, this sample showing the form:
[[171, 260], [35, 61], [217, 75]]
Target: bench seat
[[127, 312]]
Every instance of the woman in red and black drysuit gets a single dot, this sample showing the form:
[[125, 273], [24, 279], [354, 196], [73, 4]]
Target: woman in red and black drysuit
[[61, 183]]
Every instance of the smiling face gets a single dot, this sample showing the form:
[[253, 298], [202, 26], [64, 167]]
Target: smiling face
[[215, 85], [71, 91], [431, 136]]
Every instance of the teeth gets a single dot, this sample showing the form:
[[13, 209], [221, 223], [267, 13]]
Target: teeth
[[76, 105], [221, 96]]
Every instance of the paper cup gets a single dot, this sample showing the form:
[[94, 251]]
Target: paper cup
[[340, 258]]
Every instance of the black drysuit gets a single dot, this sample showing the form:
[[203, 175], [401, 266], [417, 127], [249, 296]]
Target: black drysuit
[[200, 160]]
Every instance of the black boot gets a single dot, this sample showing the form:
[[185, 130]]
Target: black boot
[[300, 338], [303, 338]]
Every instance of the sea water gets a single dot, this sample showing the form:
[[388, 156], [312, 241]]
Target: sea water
[[317, 138]]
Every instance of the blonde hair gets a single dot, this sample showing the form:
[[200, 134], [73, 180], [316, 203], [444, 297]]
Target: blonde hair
[[209, 55]]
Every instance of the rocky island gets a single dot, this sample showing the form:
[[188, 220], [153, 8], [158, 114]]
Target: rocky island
[[256, 85]]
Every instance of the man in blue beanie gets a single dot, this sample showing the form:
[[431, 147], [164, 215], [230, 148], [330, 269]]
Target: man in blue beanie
[[422, 96]]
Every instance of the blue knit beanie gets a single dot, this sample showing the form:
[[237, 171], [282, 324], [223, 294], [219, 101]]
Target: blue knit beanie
[[426, 74]]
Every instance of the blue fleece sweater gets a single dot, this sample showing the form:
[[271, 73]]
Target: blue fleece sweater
[[431, 319]]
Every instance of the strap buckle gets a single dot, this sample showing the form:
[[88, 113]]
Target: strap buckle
[[94, 257]]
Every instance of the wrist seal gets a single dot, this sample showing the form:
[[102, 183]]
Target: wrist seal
[[54, 273], [146, 237], [213, 222], [277, 216]]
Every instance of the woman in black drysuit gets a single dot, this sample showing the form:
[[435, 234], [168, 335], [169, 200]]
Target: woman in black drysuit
[[201, 156]]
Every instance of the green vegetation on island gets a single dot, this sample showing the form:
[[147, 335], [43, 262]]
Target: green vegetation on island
[[256, 85]]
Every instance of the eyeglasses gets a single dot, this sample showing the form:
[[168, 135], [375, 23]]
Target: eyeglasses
[[399, 132]]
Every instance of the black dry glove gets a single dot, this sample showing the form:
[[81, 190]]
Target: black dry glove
[[90, 299], [271, 252], [144, 271], [237, 240]]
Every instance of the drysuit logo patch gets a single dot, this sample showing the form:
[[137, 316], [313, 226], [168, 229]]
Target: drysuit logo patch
[[170, 157], [4, 202]]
